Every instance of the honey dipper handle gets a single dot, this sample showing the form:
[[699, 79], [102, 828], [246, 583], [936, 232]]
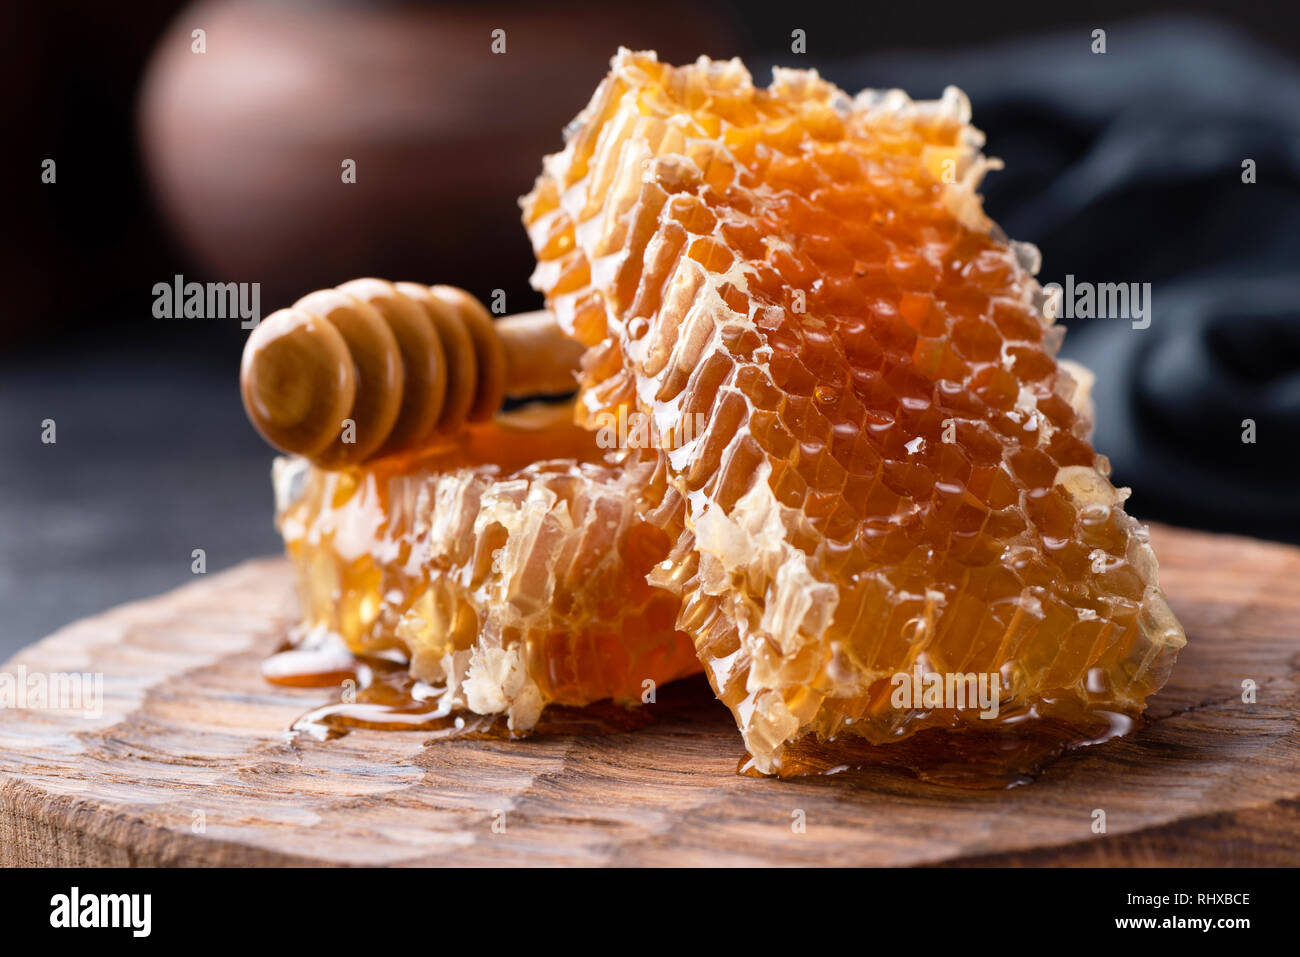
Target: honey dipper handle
[[540, 359]]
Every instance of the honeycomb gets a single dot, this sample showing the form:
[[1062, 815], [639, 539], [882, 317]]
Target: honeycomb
[[893, 476], [508, 568]]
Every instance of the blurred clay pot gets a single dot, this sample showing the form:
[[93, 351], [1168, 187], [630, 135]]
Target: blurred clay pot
[[245, 142]]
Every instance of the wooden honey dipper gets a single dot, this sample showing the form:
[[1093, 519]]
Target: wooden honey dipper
[[408, 364]]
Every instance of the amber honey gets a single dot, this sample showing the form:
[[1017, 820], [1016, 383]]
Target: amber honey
[[503, 572], [895, 471], [886, 471]]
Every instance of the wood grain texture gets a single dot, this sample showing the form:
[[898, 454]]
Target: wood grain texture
[[190, 728]]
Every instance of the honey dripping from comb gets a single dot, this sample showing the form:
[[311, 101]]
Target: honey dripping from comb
[[374, 692]]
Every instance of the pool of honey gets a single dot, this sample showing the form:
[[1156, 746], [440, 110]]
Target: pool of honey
[[379, 693], [973, 760]]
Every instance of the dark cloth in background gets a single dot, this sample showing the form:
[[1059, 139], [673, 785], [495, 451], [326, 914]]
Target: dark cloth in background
[[1127, 167]]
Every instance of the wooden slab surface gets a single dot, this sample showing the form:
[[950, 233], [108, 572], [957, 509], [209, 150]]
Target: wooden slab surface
[[190, 763]]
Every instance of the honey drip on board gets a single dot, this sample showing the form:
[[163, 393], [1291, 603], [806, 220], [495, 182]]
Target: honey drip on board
[[383, 695], [380, 693]]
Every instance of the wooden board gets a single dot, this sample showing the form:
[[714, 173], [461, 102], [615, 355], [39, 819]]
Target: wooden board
[[190, 762]]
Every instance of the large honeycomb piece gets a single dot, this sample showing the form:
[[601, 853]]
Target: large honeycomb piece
[[893, 475], [509, 568]]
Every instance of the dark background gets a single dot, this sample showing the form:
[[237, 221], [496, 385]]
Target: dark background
[[225, 167]]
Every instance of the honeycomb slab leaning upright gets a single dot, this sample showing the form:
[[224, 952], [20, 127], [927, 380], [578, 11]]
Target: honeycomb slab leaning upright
[[894, 471]]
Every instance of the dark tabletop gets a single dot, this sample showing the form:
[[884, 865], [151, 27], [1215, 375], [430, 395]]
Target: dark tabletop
[[152, 459]]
